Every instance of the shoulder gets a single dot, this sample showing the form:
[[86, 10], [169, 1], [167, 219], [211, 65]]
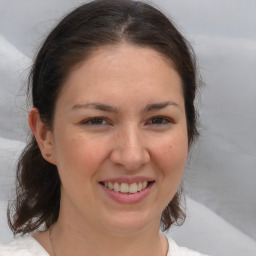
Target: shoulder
[[20, 246], [175, 250]]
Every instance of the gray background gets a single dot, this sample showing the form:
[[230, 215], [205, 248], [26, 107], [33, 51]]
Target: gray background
[[221, 173]]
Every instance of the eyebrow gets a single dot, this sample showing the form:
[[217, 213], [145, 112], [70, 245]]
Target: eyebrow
[[158, 106], [108, 108], [99, 106]]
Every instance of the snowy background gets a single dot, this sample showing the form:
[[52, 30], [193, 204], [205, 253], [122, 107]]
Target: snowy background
[[220, 178]]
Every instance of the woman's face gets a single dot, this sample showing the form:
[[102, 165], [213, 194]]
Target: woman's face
[[120, 139]]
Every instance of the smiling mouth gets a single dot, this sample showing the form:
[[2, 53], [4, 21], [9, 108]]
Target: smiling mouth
[[126, 188]]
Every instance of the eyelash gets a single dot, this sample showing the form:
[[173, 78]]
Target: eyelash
[[94, 121], [98, 121], [160, 118]]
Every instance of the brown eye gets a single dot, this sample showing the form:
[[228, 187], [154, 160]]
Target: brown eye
[[159, 121], [95, 121]]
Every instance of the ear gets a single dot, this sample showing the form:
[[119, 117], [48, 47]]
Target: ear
[[43, 135]]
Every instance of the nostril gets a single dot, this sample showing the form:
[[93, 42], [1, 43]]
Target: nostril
[[129, 155]]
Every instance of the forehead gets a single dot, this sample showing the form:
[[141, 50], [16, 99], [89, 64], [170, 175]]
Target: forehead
[[124, 70]]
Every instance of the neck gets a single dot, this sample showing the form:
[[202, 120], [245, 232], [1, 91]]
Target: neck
[[129, 232], [78, 241]]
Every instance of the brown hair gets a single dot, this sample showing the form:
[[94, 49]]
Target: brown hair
[[90, 26]]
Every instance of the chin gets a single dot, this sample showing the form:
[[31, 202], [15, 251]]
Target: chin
[[129, 223]]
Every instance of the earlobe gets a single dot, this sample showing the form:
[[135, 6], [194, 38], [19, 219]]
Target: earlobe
[[42, 134]]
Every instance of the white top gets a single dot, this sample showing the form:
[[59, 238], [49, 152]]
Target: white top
[[28, 246]]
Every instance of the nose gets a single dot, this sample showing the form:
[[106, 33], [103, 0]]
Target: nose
[[129, 150]]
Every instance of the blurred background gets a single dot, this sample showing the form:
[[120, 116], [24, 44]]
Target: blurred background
[[220, 177]]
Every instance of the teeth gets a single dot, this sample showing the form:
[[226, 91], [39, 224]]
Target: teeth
[[125, 187], [110, 186], [144, 184], [133, 188], [139, 186], [116, 187]]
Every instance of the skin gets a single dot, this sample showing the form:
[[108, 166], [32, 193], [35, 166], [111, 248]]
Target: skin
[[127, 142]]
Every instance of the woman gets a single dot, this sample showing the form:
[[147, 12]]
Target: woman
[[113, 118]]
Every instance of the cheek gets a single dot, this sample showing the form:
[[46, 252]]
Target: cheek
[[171, 155], [77, 155]]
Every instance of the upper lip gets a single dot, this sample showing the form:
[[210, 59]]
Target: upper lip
[[128, 180]]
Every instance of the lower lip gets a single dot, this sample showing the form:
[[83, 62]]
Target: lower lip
[[124, 198]]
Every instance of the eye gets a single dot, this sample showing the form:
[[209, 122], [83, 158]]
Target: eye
[[95, 121], [159, 120]]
